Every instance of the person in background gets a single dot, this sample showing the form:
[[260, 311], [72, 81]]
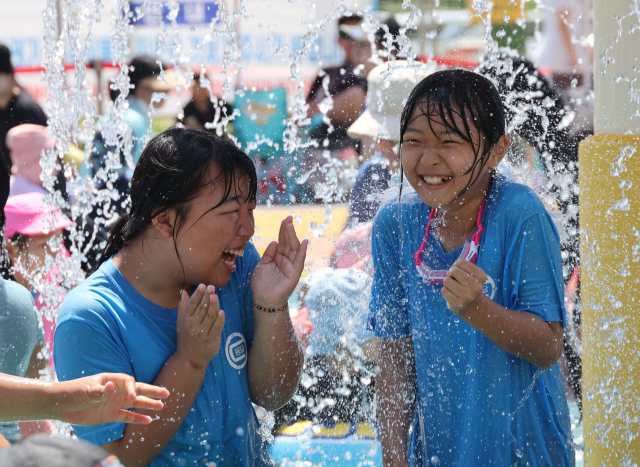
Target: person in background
[[90, 400], [144, 76], [32, 233], [16, 105], [341, 352], [379, 128], [30, 229], [26, 143], [347, 89], [335, 100], [201, 110], [387, 38]]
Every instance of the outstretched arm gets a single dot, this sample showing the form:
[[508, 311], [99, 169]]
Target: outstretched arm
[[86, 401], [275, 358]]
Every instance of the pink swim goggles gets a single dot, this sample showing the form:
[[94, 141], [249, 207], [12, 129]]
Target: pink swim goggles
[[469, 252]]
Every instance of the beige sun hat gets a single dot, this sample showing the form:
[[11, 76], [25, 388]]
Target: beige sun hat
[[389, 86]]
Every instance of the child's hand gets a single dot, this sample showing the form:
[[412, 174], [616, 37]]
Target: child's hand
[[199, 326], [103, 398], [279, 270], [463, 286]]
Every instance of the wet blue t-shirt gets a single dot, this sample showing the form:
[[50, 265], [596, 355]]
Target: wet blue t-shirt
[[479, 405], [106, 326]]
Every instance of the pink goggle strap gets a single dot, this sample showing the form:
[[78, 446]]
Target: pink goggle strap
[[475, 239]]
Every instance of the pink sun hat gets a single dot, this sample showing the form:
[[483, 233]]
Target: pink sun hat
[[26, 143], [27, 215]]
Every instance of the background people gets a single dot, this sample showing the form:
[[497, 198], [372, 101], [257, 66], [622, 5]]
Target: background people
[[91, 400], [341, 353], [389, 86], [201, 110], [26, 143], [16, 105]]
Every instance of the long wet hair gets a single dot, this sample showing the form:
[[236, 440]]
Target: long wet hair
[[445, 94], [172, 171]]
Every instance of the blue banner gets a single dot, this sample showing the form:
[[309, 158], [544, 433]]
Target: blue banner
[[194, 12]]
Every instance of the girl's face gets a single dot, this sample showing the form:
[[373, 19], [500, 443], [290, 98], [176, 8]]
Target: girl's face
[[437, 162], [210, 241]]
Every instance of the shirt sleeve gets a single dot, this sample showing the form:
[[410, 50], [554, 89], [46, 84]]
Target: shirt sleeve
[[252, 258], [534, 273], [388, 313], [84, 348]]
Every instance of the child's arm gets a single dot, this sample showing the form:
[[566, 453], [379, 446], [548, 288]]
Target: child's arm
[[395, 396], [275, 357], [518, 332], [92, 400]]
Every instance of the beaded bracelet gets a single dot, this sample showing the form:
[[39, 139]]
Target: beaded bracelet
[[270, 310]]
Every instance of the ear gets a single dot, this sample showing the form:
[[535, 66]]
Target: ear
[[499, 151], [165, 222]]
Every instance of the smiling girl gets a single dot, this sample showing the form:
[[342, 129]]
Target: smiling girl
[[467, 295], [154, 308]]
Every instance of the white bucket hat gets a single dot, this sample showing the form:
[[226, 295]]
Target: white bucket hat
[[389, 86]]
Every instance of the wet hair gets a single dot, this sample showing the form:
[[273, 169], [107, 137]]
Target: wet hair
[[445, 94], [172, 171]]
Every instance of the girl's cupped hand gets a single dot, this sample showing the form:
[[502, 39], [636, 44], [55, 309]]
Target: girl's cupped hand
[[279, 270], [463, 286], [199, 326]]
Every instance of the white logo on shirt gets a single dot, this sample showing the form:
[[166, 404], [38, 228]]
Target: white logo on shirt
[[236, 350], [489, 288]]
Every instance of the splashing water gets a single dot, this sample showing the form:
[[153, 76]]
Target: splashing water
[[74, 120]]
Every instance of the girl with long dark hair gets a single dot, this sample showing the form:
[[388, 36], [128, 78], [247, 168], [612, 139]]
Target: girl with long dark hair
[[467, 295], [154, 308]]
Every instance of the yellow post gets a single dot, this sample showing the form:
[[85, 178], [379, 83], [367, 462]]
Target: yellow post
[[610, 248]]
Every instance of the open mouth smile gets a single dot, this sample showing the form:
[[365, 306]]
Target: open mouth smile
[[229, 257], [435, 181]]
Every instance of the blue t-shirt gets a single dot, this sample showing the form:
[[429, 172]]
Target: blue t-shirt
[[106, 326], [479, 405], [20, 331]]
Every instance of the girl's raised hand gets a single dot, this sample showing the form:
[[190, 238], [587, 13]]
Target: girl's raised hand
[[279, 270], [199, 326], [463, 286]]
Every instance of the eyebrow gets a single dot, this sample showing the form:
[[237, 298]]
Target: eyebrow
[[232, 199], [437, 132], [413, 130]]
